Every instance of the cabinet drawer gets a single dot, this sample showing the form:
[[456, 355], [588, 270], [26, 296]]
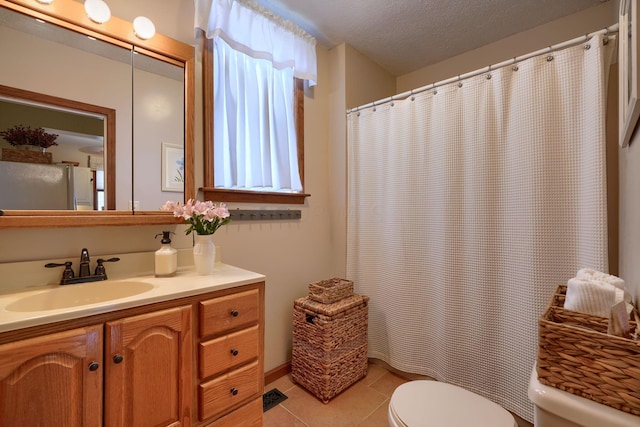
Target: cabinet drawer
[[228, 391], [235, 311], [249, 415], [221, 354]]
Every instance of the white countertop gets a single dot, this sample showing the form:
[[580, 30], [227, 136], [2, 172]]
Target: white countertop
[[185, 283]]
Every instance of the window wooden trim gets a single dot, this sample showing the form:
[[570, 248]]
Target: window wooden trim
[[229, 195]]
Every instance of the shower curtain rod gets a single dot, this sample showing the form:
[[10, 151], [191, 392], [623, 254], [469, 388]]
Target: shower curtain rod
[[609, 30]]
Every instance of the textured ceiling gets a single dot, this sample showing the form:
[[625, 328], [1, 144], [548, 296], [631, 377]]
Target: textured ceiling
[[406, 35]]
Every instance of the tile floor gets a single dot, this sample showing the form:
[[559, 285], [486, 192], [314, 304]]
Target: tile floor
[[363, 404]]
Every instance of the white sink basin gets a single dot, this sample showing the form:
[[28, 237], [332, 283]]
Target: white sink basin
[[76, 295]]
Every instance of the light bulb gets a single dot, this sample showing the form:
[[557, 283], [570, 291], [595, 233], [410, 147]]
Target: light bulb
[[143, 28], [97, 10]]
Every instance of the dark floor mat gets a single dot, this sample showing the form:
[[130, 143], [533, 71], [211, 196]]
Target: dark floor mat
[[272, 398]]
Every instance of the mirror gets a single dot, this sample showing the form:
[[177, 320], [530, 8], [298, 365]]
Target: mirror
[[145, 153]]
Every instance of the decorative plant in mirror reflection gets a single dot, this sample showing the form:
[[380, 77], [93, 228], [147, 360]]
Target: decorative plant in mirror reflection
[[203, 217], [26, 135]]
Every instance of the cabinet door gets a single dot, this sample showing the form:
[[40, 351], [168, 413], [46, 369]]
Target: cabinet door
[[148, 369], [54, 380]]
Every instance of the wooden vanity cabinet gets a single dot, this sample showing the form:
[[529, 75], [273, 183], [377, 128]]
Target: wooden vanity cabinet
[[57, 379], [142, 366], [54, 380]]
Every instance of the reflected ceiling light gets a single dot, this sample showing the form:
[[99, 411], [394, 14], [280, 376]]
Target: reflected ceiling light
[[45, 1], [97, 10], [92, 149], [143, 27]]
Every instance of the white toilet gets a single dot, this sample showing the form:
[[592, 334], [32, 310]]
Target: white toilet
[[426, 403], [557, 408]]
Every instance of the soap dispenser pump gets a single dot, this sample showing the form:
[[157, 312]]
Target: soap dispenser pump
[[166, 257]]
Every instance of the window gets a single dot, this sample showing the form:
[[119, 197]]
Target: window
[[257, 134], [254, 148]]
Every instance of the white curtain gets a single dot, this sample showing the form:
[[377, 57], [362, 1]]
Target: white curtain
[[468, 206], [249, 28], [254, 130]]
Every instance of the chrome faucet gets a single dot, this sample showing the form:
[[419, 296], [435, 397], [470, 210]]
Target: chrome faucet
[[84, 271]]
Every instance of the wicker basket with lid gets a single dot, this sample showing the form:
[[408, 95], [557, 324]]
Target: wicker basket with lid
[[329, 344]]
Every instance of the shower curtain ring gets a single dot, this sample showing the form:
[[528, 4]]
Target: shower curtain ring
[[459, 82], [514, 67]]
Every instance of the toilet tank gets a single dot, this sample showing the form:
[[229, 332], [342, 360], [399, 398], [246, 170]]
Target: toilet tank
[[557, 408]]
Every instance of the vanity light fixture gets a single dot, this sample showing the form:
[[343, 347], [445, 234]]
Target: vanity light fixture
[[45, 1], [143, 28], [97, 10]]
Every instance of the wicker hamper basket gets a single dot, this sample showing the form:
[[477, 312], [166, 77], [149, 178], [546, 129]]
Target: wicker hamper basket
[[329, 344], [575, 354], [331, 290]]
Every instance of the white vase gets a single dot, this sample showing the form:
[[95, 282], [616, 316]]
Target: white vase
[[204, 254]]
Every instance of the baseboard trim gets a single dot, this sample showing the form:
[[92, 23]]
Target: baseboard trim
[[277, 372]]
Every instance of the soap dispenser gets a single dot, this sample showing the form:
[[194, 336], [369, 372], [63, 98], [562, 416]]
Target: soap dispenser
[[166, 257]]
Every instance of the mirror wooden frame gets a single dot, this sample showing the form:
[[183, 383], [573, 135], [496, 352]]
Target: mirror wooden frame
[[70, 14]]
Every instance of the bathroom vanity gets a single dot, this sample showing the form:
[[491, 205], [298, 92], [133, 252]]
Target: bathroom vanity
[[180, 351]]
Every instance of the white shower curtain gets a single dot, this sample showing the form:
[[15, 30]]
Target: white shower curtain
[[468, 206]]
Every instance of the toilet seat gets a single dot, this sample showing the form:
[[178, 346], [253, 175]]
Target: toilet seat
[[435, 404]]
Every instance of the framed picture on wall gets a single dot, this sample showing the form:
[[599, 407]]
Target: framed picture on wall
[[628, 64], [172, 167]]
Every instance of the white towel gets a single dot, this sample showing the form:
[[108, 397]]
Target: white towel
[[591, 274], [592, 296]]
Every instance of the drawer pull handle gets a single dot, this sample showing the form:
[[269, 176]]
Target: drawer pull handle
[[234, 351], [234, 313], [234, 391], [93, 366], [118, 358]]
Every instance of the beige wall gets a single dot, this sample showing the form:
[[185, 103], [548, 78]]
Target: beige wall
[[337, 165], [365, 80]]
